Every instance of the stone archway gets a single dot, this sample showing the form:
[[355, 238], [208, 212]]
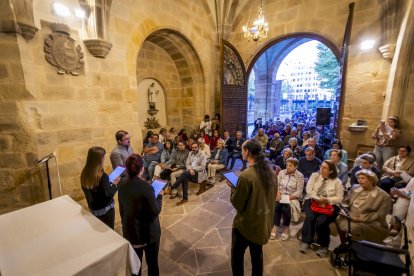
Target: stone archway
[[169, 57], [266, 63]]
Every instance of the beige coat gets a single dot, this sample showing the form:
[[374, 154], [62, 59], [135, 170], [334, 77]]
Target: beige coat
[[406, 166], [372, 211]]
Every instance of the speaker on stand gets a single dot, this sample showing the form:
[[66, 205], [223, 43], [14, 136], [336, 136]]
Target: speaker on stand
[[323, 118]]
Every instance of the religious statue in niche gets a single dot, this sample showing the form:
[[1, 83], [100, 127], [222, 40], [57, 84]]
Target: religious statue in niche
[[152, 92], [61, 51]]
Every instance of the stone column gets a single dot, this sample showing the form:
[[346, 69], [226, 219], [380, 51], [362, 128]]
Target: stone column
[[16, 16]]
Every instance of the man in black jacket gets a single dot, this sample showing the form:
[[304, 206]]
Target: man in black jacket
[[236, 152]]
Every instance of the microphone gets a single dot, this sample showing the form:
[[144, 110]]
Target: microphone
[[44, 159]]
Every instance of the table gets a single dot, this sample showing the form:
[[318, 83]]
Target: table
[[59, 237]]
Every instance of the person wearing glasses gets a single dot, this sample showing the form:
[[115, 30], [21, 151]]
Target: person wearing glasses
[[99, 192], [324, 187], [195, 171], [152, 156], [398, 169], [123, 149]]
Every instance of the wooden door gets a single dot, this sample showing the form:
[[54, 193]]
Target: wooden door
[[234, 91]]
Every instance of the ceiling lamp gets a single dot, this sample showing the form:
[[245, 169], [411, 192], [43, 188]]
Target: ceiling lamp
[[259, 28]]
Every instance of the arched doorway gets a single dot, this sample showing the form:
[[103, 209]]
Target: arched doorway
[[283, 80], [169, 57]]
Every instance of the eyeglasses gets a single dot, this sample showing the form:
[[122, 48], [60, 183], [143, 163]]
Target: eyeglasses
[[194, 147], [126, 138]]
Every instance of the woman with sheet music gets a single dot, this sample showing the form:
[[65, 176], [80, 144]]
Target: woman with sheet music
[[139, 208], [99, 192]]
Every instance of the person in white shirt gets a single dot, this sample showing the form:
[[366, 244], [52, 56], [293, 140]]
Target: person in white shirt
[[204, 148], [206, 125]]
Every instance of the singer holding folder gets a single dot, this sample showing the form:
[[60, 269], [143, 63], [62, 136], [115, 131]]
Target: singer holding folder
[[99, 192]]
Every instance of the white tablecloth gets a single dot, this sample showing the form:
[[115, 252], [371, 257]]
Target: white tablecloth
[[59, 237]]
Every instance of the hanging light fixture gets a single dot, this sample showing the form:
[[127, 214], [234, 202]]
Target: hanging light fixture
[[259, 28]]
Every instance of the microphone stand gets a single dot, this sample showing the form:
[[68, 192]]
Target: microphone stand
[[45, 160]]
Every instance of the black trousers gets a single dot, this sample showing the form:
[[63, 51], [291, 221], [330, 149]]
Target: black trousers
[[151, 257], [238, 247], [184, 178], [234, 156], [387, 183], [108, 218], [319, 223], [282, 210]]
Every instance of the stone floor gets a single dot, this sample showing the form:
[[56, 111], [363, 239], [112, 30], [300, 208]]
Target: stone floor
[[196, 238]]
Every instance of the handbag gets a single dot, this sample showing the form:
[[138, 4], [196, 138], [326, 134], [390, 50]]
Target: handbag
[[326, 210]]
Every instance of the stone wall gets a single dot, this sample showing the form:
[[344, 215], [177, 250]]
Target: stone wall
[[43, 112]]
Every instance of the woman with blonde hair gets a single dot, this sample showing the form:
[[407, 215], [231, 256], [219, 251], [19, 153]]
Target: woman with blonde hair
[[99, 192]]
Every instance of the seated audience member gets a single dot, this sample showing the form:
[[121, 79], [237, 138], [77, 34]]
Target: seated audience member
[[276, 146], [171, 134], [323, 188], [262, 138], [194, 135], [176, 140], [152, 156], [314, 134], [165, 157], [296, 149], [99, 192], [286, 131], [162, 136], [309, 164], [214, 139], [205, 126], [218, 160], [228, 141], [318, 150], [183, 135], [147, 139], [336, 144], [236, 153], [306, 136], [365, 163], [357, 161], [123, 149], [341, 167], [204, 136], [177, 163], [292, 134], [368, 206], [195, 171], [139, 209], [290, 189], [398, 169], [399, 209], [280, 162], [272, 130], [189, 143], [204, 148]]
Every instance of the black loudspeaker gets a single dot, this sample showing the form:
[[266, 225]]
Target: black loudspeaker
[[323, 116]]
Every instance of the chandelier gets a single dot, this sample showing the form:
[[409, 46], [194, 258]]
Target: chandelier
[[259, 28]]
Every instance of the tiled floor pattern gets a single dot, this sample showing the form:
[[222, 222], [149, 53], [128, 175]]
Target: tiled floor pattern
[[196, 238]]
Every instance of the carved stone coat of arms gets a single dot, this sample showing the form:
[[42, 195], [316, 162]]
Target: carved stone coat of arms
[[61, 50]]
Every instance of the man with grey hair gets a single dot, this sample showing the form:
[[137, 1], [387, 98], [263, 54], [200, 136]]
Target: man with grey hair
[[236, 151], [366, 162], [296, 149], [280, 162], [309, 164], [318, 150], [204, 148]]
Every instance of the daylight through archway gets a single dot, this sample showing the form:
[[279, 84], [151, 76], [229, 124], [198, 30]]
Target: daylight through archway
[[293, 79]]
